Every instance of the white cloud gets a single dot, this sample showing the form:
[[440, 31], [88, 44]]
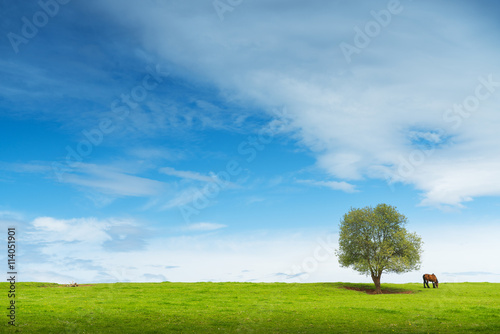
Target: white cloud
[[86, 230], [113, 181], [469, 177], [353, 117], [186, 174], [202, 227], [343, 186], [84, 237], [190, 195], [4, 214]]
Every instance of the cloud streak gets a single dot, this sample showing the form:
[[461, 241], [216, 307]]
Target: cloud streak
[[204, 227], [186, 174], [334, 185], [113, 181]]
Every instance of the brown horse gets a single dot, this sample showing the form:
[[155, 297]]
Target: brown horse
[[430, 278]]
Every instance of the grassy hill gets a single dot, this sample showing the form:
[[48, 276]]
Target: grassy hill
[[253, 308]]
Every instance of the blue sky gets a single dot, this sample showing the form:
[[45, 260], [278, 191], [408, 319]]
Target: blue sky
[[223, 141]]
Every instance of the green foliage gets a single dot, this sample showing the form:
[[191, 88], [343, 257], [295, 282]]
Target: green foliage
[[253, 308], [374, 240]]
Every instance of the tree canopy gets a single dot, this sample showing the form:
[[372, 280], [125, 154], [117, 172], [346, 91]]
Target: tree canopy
[[374, 240]]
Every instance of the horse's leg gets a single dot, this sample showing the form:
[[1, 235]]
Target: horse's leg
[[433, 284], [424, 281]]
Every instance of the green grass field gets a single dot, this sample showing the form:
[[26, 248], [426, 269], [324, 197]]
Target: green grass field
[[253, 308]]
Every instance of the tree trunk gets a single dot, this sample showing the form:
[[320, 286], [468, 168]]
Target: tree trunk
[[376, 280]]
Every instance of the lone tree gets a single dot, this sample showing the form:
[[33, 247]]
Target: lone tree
[[374, 240]]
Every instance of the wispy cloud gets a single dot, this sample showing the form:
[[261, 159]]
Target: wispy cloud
[[290, 276], [31, 167], [152, 153], [172, 267], [105, 179], [255, 199], [186, 196], [11, 215], [186, 174], [335, 185], [203, 227], [114, 182]]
